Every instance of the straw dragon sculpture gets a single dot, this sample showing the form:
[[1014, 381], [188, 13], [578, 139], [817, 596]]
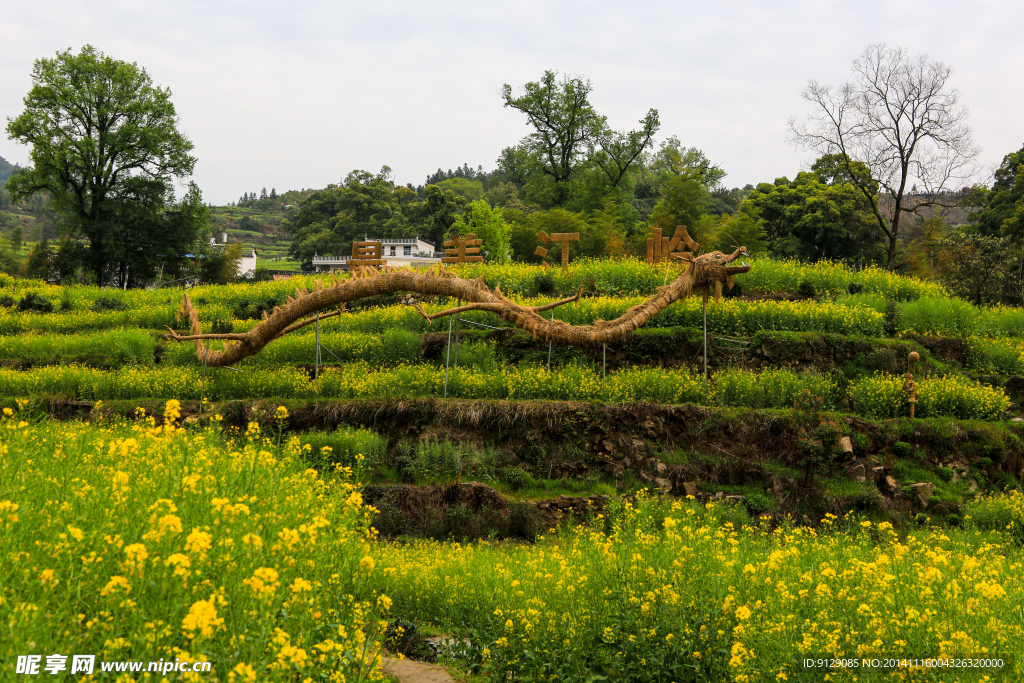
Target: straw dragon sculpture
[[705, 274]]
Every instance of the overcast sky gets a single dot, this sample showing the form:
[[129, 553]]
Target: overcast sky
[[299, 94]]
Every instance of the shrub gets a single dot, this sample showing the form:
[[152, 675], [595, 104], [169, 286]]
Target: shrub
[[855, 288], [404, 638], [439, 459], [544, 283], [516, 478], [35, 302], [901, 449], [524, 520], [758, 502], [1003, 513], [806, 288], [401, 346], [108, 303]]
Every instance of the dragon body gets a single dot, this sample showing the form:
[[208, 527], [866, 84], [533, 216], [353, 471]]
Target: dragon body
[[706, 274]]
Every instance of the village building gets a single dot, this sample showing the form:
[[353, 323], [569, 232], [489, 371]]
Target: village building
[[247, 265], [404, 251]]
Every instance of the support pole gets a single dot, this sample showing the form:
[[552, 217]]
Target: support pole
[[549, 341], [448, 357], [455, 363], [202, 390], [705, 341], [316, 357]]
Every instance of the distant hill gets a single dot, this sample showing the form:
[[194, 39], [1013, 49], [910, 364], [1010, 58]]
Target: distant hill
[[7, 169]]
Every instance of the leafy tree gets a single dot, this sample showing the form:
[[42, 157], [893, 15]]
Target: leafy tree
[[1014, 224], [899, 117], [924, 247], [7, 169], [515, 166], [472, 190], [618, 150], [505, 195], [555, 220], [37, 266], [16, 235], [220, 266], [329, 220], [739, 230], [725, 201], [568, 136], [105, 147], [807, 219], [1005, 200], [437, 213], [563, 120], [464, 172], [181, 233], [249, 224], [522, 236], [973, 265], [489, 225], [686, 178], [70, 262], [607, 232]]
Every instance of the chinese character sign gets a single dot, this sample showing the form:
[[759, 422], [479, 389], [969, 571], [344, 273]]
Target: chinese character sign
[[459, 250], [366, 254], [660, 248], [563, 237]]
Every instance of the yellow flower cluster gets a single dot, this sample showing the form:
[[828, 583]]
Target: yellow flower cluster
[[134, 539], [883, 396], [679, 587]]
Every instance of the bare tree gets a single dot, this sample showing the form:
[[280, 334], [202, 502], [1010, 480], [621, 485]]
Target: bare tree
[[900, 117]]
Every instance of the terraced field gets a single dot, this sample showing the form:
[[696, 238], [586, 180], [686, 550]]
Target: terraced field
[[605, 513]]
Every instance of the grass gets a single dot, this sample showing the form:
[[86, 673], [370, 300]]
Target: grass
[[550, 488]]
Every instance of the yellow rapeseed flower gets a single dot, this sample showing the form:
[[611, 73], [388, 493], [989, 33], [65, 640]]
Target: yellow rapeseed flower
[[116, 583], [202, 618]]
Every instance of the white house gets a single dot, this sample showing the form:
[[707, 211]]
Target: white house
[[247, 265], [405, 251]]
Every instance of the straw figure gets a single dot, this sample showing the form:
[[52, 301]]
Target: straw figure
[[704, 273], [909, 385]]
